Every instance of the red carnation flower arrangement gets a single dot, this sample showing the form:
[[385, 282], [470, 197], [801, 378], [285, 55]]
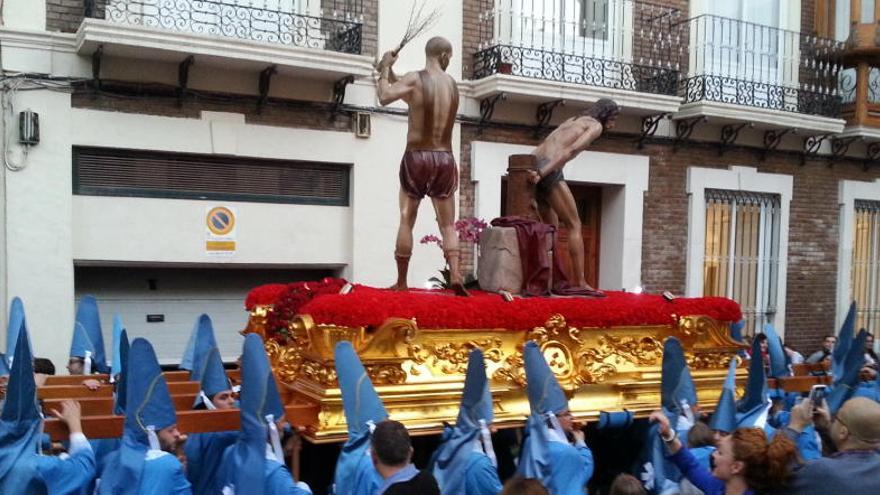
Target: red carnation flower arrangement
[[287, 300]]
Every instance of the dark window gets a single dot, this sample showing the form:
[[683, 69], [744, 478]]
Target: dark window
[[153, 174]]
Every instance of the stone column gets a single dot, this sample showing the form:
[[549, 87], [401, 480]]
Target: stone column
[[521, 192]]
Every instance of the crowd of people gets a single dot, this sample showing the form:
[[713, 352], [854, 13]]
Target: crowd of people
[[767, 441]]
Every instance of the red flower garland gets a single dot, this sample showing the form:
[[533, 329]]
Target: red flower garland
[[289, 301], [370, 307], [263, 295]]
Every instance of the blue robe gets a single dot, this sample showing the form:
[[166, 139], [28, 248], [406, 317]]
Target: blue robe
[[572, 468], [278, 480], [49, 475], [204, 451], [481, 477], [103, 447], [355, 473], [162, 475]]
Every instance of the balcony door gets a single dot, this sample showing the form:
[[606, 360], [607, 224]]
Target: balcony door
[[746, 42], [592, 28]]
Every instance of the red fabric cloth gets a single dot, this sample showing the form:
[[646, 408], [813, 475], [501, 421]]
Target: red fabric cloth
[[435, 309], [533, 238]]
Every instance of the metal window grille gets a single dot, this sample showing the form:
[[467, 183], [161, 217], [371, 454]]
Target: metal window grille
[[866, 265], [741, 260]]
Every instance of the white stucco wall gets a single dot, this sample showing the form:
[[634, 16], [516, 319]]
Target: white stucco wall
[[393, 18], [24, 14], [39, 229]]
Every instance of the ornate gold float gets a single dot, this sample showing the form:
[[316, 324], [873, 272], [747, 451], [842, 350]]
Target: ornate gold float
[[419, 373]]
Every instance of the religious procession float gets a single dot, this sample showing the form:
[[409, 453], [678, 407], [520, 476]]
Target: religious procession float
[[606, 351]]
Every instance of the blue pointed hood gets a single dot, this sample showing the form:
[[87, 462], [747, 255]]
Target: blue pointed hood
[[753, 407], [259, 397], [148, 407], [778, 362], [16, 323], [724, 417], [21, 390], [187, 361], [545, 397], [121, 387], [4, 365], [451, 459], [118, 328], [476, 398], [545, 394], [359, 399], [208, 366], [147, 392], [847, 381], [87, 335], [844, 341], [736, 330], [355, 472], [677, 392], [20, 420]]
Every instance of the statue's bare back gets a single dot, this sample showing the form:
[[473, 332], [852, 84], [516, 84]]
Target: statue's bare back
[[433, 105]]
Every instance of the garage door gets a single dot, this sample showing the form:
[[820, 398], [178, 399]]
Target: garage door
[[162, 304]]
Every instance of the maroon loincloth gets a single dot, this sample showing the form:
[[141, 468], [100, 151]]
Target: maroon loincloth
[[428, 173], [532, 237]]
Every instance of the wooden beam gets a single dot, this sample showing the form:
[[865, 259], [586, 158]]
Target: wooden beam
[[798, 383], [75, 379], [79, 391], [103, 406], [170, 376], [72, 392], [110, 426]]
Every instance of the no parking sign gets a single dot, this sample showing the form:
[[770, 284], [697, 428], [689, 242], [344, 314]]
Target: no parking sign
[[220, 231]]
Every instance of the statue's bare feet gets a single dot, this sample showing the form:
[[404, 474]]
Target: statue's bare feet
[[399, 286], [459, 289]]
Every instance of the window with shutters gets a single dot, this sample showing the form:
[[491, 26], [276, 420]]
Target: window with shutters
[[154, 174], [866, 264], [741, 258]]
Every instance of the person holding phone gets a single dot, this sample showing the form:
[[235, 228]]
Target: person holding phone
[[855, 432], [745, 463]]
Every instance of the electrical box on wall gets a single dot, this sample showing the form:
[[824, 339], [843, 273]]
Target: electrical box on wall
[[29, 127], [362, 124]]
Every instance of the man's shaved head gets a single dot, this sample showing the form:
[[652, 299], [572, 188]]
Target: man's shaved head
[[861, 416], [437, 46]]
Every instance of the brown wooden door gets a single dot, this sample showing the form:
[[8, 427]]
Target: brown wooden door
[[589, 204]]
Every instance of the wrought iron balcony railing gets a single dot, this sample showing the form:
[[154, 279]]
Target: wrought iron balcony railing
[[742, 63], [622, 44], [324, 24]]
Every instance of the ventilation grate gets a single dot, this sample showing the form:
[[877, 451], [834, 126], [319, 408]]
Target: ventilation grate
[[115, 172]]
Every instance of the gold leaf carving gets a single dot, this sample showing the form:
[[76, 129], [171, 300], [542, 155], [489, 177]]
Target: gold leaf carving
[[451, 358], [512, 371]]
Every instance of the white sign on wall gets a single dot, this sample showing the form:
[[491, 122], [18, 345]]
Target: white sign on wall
[[220, 231]]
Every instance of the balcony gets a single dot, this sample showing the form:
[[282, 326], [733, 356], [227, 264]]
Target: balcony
[[579, 51], [314, 38], [859, 89], [745, 72]]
